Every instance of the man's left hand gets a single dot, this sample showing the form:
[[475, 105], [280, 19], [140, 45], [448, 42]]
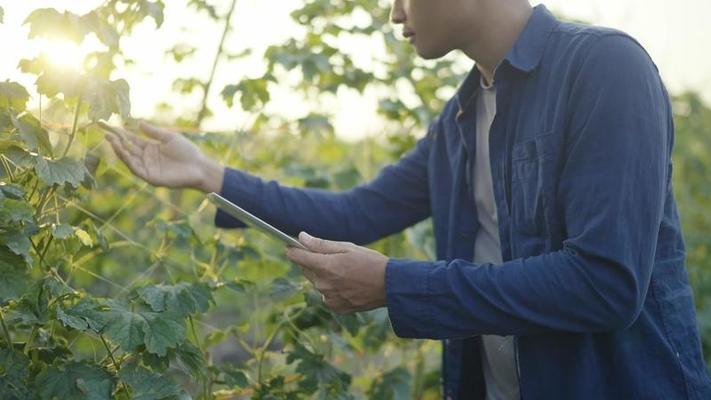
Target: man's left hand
[[350, 278]]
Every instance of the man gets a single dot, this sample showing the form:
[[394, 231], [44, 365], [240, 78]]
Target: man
[[560, 269]]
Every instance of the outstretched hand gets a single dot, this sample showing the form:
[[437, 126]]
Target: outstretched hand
[[350, 278], [164, 158]]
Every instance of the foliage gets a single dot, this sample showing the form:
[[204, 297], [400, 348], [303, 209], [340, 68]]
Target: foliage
[[109, 289], [692, 164], [113, 289]]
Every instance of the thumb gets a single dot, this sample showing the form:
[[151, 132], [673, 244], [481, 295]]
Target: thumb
[[322, 246], [154, 131]]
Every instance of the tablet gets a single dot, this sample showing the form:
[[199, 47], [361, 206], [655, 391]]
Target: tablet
[[252, 221]]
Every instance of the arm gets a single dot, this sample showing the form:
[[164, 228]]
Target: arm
[[612, 190], [398, 197]]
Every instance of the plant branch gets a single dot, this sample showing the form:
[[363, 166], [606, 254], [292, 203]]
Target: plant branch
[[218, 55]]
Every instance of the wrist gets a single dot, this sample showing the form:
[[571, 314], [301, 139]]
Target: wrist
[[212, 174]]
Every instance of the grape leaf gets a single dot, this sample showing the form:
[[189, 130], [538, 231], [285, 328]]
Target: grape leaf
[[13, 95], [182, 298], [93, 22], [317, 372], [191, 358], [130, 329], [84, 315], [59, 172], [18, 242], [154, 9], [282, 287], [395, 384], [14, 371], [12, 191], [147, 385], [32, 134], [62, 231], [50, 23], [75, 380], [14, 212], [107, 98], [254, 92], [157, 331]]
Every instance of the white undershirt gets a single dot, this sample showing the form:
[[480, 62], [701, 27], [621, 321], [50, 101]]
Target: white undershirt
[[497, 357]]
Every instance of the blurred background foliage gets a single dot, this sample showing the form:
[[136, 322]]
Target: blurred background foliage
[[266, 334]]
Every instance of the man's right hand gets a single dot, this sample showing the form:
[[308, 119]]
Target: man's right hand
[[170, 160]]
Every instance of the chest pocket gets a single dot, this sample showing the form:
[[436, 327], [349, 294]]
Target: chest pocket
[[530, 181]]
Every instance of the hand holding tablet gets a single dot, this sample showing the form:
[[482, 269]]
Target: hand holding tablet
[[252, 221]]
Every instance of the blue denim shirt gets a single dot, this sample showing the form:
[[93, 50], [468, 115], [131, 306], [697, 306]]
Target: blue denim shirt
[[593, 284]]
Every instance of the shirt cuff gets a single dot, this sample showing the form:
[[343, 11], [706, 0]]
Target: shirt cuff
[[406, 293], [240, 188]]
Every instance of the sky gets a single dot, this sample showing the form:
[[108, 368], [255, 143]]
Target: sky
[[676, 34]]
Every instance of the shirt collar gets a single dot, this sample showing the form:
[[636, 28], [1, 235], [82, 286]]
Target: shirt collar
[[525, 55], [527, 51]]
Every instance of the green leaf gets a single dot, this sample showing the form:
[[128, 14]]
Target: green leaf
[[147, 385], [93, 22], [191, 358], [107, 98], [18, 242], [395, 384], [158, 332], [50, 23], [19, 156], [59, 172], [13, 95], [2, 15], [57, 80], [62, 231], [75, 380], [154, 9], [282, 287], [11, 190], [32, 134], [317, 372], [254, 92], [14, 212], [182, 298], [85, 315], [129, 329], [14, 372], [236, 377]]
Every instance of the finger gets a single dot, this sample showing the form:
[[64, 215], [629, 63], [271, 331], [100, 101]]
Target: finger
[[116, 131], [131, 161], [314, 262], [136, 146], [155, 132], [323, 246]]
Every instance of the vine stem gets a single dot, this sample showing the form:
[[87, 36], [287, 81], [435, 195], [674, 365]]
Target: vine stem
[[270, 339], [5, 331], [220, 49], [206, 379], [113, 361], [75, 124], [31, 339]]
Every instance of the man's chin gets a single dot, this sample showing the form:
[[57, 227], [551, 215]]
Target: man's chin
[[430, 53]]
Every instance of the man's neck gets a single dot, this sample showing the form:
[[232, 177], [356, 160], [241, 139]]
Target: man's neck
[[497, 35]]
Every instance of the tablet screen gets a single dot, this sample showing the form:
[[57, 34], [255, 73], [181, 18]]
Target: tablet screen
[[252, 221]]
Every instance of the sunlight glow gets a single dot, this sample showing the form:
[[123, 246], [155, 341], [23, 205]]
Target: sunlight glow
[[63, 53]]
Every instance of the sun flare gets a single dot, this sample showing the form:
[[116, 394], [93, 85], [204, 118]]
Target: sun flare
[[63, 53]]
